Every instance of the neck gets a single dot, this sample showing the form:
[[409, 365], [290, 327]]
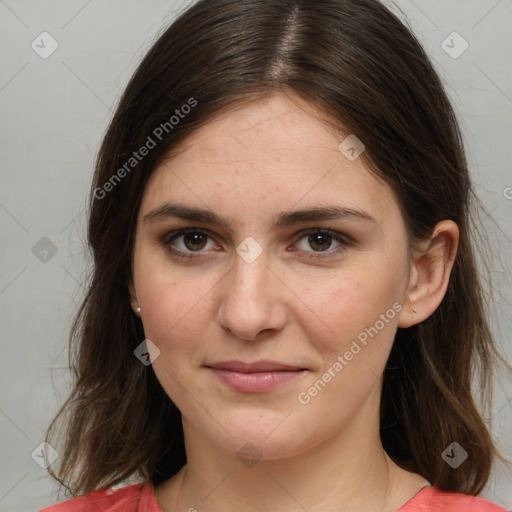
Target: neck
[[347, 471]]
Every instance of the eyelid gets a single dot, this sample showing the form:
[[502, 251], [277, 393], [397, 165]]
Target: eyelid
[[169, 237], [340, 237], [183, 231], [344, 240]]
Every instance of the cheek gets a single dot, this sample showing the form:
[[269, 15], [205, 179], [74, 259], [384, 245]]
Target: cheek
[[359, 314], [175, 309], [353, 339], [170, 296], [345, 305], [176, 318]]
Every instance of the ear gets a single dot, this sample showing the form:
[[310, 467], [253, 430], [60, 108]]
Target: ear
[[430, 274], [133, 298]]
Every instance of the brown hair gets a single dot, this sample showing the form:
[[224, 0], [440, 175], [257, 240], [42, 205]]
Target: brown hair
[[366, 73]]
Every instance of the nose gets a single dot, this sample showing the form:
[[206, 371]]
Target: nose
[[252, 299]]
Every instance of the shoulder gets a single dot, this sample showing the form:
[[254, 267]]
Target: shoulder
[[133, 498], [430, 499]]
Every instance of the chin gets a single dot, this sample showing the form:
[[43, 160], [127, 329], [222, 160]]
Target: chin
[[256, 437]]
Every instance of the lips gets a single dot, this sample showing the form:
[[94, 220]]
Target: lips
[[258, 366], [255, 377]]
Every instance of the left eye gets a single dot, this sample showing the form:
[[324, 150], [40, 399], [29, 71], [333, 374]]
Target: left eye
[[320, 240]]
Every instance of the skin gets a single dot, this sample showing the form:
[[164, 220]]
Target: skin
[[294, 304]]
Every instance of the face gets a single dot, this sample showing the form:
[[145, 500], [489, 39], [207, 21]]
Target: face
[[270, 270]]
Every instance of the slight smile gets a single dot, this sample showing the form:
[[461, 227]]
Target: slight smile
[[255, 377]]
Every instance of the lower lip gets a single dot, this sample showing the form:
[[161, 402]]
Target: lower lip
[[255, 382]]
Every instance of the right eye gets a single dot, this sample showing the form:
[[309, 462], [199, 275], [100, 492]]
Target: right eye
[[186, 241]]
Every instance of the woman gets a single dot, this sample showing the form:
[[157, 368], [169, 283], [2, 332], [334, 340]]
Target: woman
[[285, 309]]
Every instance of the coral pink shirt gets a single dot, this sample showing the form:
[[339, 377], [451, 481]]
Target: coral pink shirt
[[141, 498]]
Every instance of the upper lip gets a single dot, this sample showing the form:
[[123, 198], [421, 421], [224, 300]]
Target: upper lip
[[257, 366]]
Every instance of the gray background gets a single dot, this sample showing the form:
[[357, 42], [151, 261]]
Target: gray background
[[54, 112]]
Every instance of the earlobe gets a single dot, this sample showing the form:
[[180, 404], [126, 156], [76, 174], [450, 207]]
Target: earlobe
[[134, 301], [430, 274]]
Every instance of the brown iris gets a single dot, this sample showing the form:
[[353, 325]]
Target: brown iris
[[194, 241], [320, 241]]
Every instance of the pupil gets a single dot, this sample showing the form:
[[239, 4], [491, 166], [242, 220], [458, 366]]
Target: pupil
[[320, 241], [195, 241]]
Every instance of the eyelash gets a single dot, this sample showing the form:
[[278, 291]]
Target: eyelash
[[343, 240]]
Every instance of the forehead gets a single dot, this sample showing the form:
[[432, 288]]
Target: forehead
[[271, 152], [264, 129]]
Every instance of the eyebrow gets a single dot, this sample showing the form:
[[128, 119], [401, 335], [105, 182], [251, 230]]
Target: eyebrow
[[205, 216]]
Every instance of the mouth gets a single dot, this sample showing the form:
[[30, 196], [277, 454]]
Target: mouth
[[255, 377]]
